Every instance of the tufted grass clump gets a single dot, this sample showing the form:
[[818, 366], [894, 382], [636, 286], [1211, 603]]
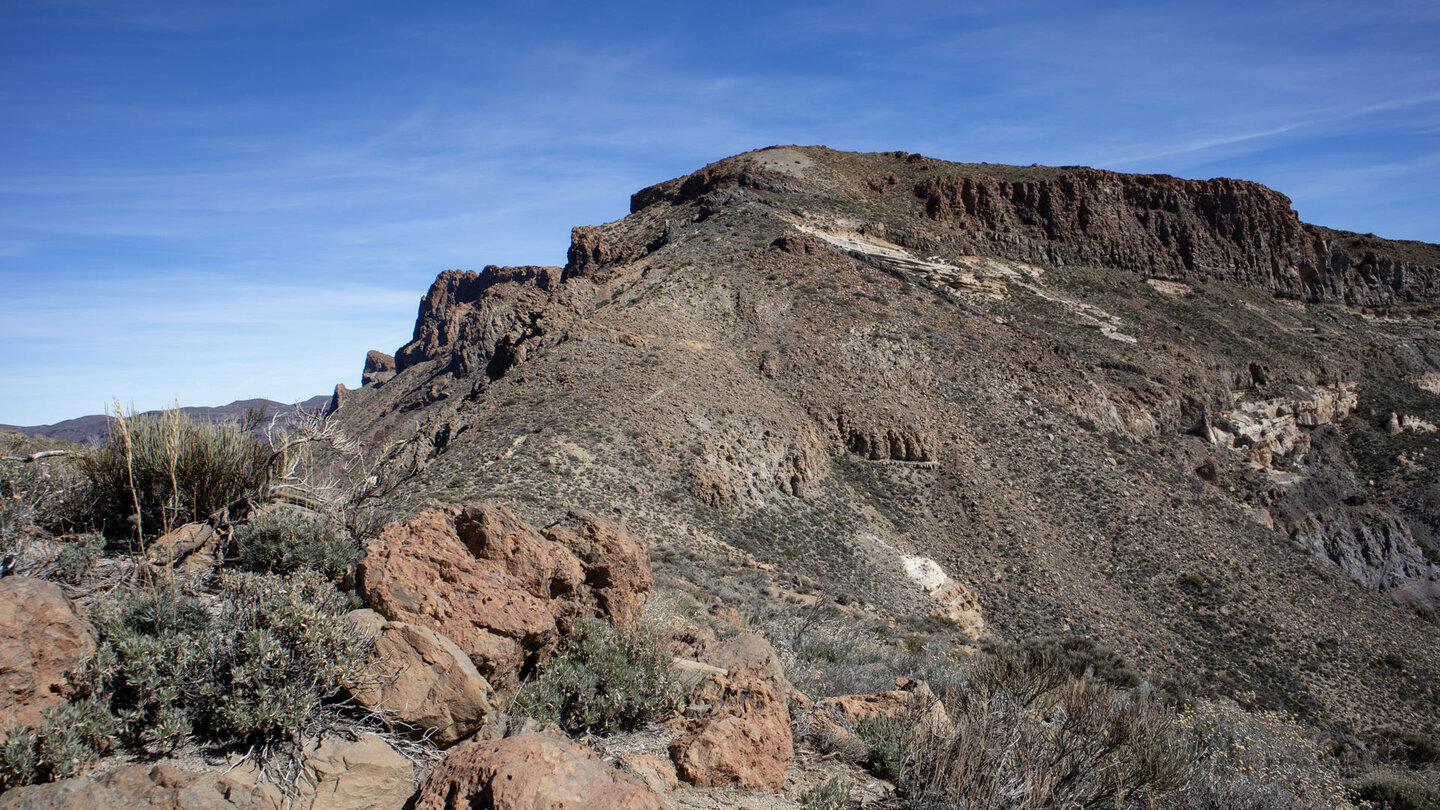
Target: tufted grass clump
[[156, 472], [77, 556], [284, 539], [603, 680]]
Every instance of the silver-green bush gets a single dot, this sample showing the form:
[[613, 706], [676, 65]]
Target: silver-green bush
[[283, 539], [604, 679]]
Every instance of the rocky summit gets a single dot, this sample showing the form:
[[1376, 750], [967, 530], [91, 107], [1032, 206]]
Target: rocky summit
[[1162, 414]]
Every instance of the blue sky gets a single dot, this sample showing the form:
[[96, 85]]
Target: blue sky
[[209, 201]]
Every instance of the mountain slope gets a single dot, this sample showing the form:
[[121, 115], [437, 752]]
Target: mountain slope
[[1160, 413]]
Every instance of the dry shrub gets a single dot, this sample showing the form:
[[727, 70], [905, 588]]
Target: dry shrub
[[1260, 760], [1029, 733]]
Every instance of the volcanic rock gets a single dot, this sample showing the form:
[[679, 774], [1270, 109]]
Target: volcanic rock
[[43, 643], [529, 771], [379, 367], [743, 739], [833, 361], [423, 680], [482, 577], [140, 787]]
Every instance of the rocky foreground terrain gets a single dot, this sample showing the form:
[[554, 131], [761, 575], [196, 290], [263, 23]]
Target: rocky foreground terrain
[[835, 427]]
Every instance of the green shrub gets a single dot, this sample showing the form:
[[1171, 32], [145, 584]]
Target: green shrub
[[77, 556], [173, 469], [155, 666], [1388, 791], [258, 670], [281, 650], [829, 795], [604, 679], [885, 746], [284, 539], [19, 757], [70, 737]]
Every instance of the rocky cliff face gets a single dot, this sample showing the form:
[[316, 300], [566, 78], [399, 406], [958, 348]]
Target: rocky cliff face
[[1153, 411], [1164, 227]]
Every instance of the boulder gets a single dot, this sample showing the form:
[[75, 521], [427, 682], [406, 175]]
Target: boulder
[[744, 742], [338, 774], [743, 738], [423, 680], [527, 772], [182, 543], [616, 565], [140, 787], [911, 702], [657, 774], [505, 593], [43, 641], [749, 653]]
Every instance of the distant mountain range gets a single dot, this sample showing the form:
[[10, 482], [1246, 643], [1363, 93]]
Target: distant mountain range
[[92, 428]]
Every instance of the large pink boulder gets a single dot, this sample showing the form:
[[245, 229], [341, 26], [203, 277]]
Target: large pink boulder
[[505, 593]]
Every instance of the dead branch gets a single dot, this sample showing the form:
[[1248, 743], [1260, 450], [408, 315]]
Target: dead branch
[[37, 456]]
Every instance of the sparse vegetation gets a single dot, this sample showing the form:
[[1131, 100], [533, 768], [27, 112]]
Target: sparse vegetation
[[1260, 759], [832, 794], [1390, 791], [605, 679]]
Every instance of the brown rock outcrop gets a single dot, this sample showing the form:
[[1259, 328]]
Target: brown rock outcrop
[[743, 740], [591, 250], [475, 315], [1228, 230], [43, 641], [911, 702], [750, 654], [422, 679], [379, 367], [527, 772], [139, 787], [480, 576]]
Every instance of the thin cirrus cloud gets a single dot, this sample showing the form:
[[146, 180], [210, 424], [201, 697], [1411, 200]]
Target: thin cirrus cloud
[[215, 201]]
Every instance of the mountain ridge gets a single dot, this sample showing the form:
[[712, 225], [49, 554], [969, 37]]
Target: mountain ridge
[[92, 427], [1218, 464]]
